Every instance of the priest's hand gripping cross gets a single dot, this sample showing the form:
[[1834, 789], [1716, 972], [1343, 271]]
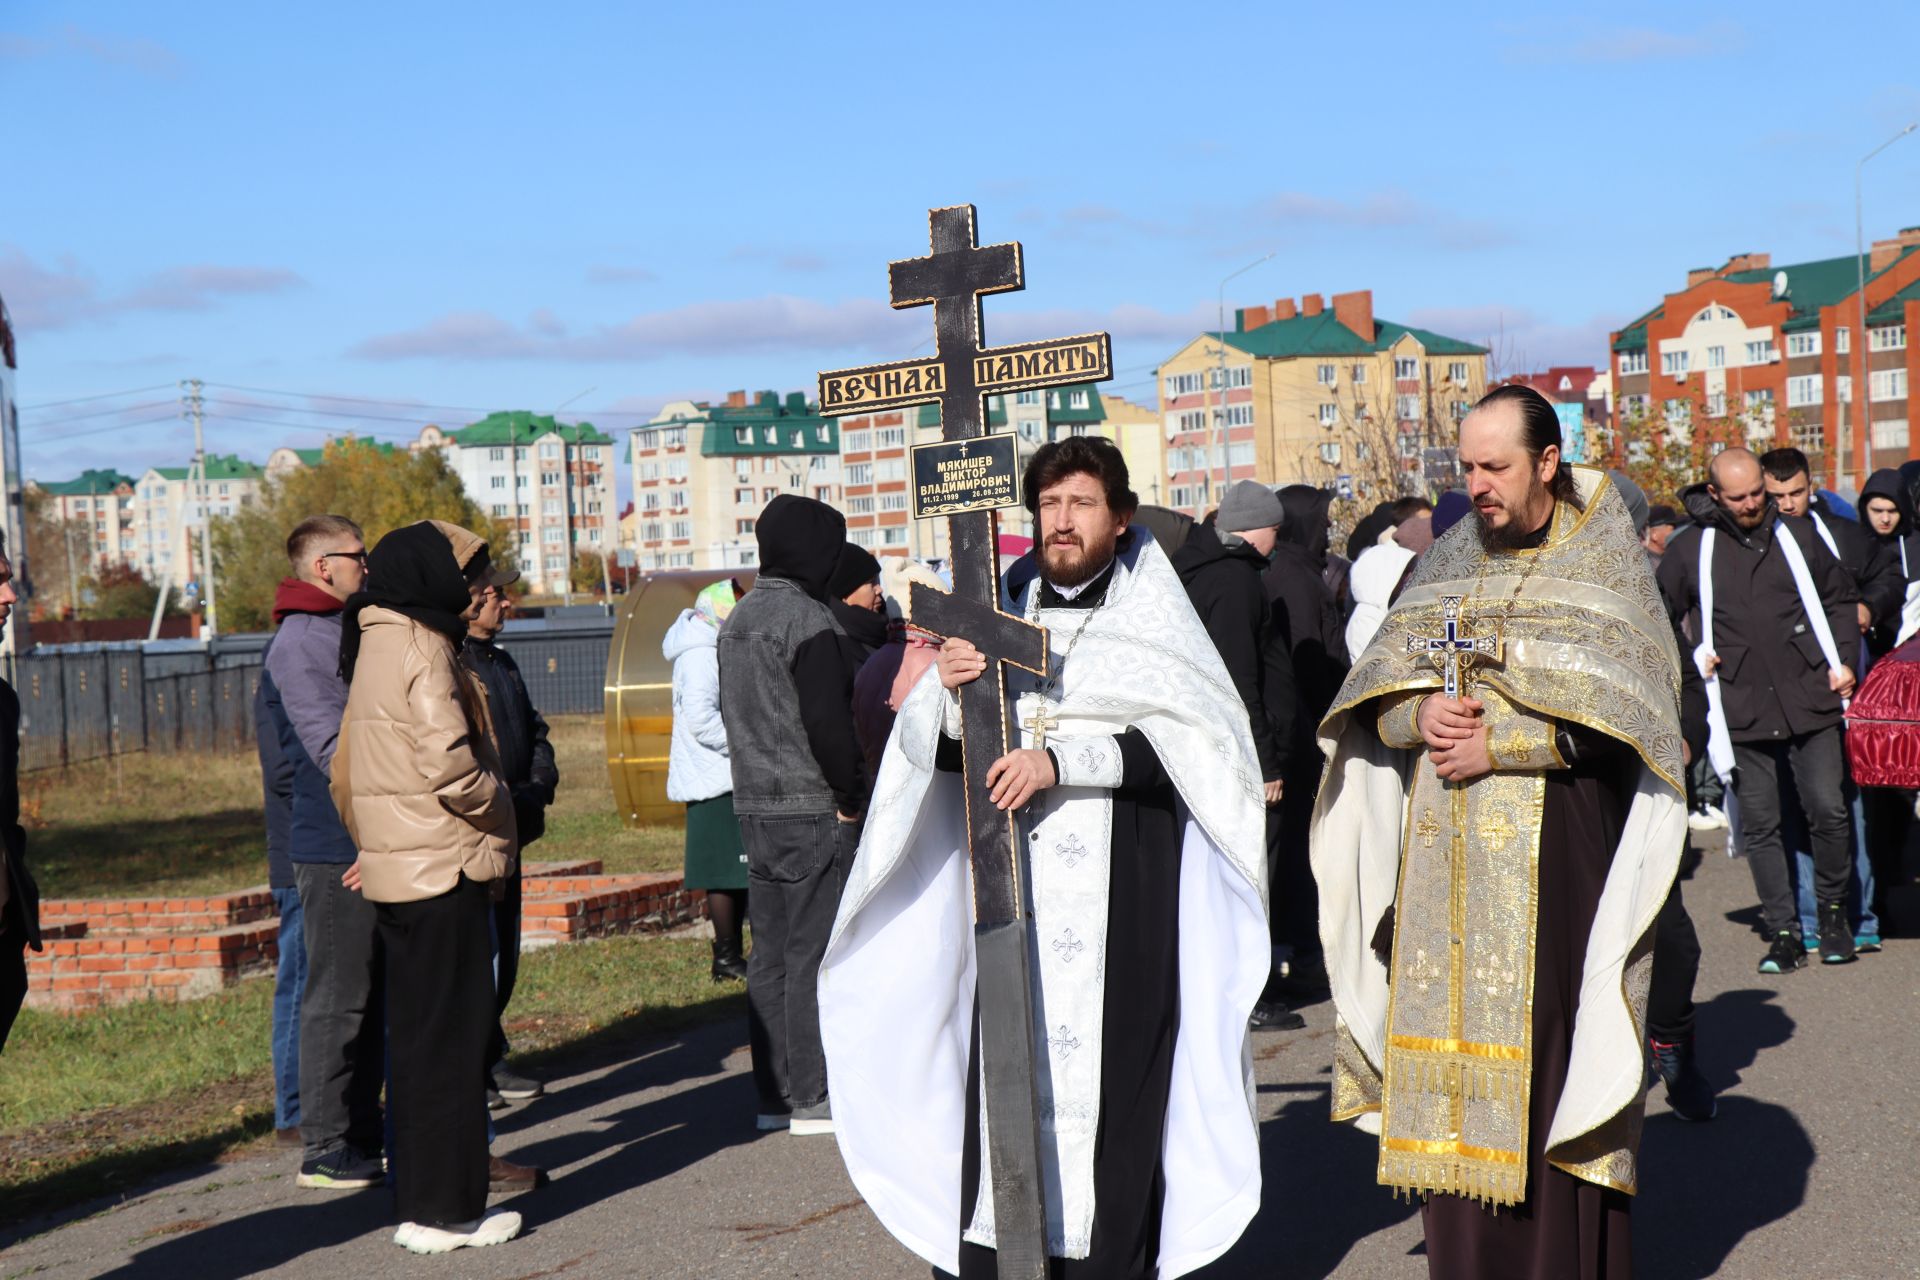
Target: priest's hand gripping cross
[[1452, 652]]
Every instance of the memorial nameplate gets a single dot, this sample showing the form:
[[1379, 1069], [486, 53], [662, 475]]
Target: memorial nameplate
[[978, 474]]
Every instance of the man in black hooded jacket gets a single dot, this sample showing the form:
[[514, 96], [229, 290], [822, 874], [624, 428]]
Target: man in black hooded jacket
[[799, 788]]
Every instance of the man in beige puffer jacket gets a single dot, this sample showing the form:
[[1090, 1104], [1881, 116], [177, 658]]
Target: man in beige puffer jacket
[[419, 787]]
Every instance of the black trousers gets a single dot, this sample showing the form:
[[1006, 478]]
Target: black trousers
[[506, 959], [1676, 965], [440, 1014], [342, 1049], [1817, 766], [796, 867], [13, 976]]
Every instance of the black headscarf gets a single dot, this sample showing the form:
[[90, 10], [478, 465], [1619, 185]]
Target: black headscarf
[[1306, 525], [412, 571]]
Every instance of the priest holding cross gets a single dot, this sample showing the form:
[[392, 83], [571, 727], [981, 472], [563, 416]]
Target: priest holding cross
[[1035, 999]]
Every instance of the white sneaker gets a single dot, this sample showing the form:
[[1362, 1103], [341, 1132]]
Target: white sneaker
[[1707, 817], [812, 1121], [496, 1226]]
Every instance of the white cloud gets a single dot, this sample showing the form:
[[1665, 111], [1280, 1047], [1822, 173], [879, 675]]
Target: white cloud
[[67, 293], [1593, 44], [148, 56]]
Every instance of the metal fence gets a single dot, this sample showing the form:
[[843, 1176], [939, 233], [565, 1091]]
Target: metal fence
[[88, 701]]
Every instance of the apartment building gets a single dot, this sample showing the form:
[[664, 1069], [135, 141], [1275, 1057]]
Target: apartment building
[[169, 510], [98, 505], [1300, 392], [1749, 353], [702, 474]]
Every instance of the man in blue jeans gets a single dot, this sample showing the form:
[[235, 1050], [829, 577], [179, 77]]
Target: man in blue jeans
[[342, 1016], [276, 782]]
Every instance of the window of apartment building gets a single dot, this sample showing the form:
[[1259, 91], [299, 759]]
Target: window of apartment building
[[1184, 384], [680, 530], [1329, 414], [1760, 352], [820, 462], [1193, 420], [857, 441], [769, 492], [590, 453], [496, 455], [649, 471], [1808, 437], [1803, 390], [1672, 362], [677, 498], [1634, 406], [1679, 414], [651, 501], [1406, 367], [823, 493], [548, 449], [1239, 415], [1716, 357], [743, 526], [1890, 433], [890, 438], [674, 437], [1887, 337], [1842, 340], [1030, 431], [1716, 404], [861, 537], [1240, 455], [549, 478], [1077, 400], [821, 435], [520, 481], [1032, 397], [743, 435], [500, 509], [1633, 362], [1409, 444], [1053, 399], [1325, 375], [1240, 375], [1330, 453], [1843, 388], [677, 469], [1183, 495], [684, 560], [1889, 384], [796, 481], [647, 439], [860, 473], [593, 508], [1406, 408], [1804, 344], [520, 508], [893, 536], [890, 469], [893, 502], [651, 531], [1358, 375], [1457, 371], [862, 506], [496, 482], [1759, 404], [550, 507], [554, 534], [769, 465]]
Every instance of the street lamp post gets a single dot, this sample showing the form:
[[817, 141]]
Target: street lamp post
[[1216, 424], [1860, 395]]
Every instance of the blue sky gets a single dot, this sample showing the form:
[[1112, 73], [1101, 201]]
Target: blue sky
[[451, 208]]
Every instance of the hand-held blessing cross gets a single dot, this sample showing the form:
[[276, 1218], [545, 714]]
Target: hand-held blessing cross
[[1451, 651]]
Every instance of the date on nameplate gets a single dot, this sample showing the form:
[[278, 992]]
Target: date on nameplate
[[980, 473]]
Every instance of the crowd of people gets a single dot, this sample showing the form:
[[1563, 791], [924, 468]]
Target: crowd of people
[[1230, 707]]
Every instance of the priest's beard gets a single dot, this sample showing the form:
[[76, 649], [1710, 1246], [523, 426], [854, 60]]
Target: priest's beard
[[1518, 528], [1070, 564]]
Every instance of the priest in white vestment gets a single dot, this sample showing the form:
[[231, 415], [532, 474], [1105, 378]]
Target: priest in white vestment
[[1144, 835]]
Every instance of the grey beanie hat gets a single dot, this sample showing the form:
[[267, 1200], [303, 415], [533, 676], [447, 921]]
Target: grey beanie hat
[[1250, 505]]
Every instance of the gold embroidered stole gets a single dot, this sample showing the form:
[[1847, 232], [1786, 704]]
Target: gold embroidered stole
[[1459, 1061]]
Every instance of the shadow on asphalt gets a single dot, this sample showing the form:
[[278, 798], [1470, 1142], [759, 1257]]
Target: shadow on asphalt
[[1705, 1187]]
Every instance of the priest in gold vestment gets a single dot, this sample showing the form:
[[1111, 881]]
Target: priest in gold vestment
[[1501, 817]]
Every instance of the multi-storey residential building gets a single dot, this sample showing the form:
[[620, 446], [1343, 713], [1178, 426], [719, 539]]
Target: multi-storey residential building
[[167, 518], [1750, 353], [98, 505], [1583, 397], [702, 473], [552, 481], [1314, 395]]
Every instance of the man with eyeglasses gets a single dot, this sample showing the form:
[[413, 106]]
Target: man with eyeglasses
[[331, 1022]]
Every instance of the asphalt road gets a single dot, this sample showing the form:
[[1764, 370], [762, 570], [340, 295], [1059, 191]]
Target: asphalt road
[[1809, 1171]]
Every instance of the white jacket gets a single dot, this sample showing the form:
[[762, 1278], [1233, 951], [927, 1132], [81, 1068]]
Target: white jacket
[[697, 764], [1372, 580]]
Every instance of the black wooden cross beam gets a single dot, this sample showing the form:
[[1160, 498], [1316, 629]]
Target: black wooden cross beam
[[953, 277]]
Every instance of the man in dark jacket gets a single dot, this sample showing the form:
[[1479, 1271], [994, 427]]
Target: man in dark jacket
[[1221, 567], [290, 977], [1780, 692], [1305, 613], [526, 758], [1886, 515], [799, 788], [342, 1016], [19, 896]]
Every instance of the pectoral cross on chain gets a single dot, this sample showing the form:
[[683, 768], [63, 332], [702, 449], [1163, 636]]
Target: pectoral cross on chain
[[1451, 651]]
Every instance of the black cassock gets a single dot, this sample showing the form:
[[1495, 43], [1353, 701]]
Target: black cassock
[[1141, 1013], [1566, 1228]]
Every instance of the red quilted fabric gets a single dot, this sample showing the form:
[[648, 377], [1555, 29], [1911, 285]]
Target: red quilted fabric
[[1883, 721]]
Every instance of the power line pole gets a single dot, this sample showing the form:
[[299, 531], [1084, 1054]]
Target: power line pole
[[197, 493]]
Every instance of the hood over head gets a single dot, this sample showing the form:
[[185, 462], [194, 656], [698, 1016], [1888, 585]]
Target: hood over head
[[420, 571], [1168, 527], [688, 632], [1885, 483], [1306, 525], [800, 540]]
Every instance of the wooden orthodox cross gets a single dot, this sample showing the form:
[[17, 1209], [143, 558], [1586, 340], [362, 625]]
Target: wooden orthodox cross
[[973, 475], [1451, 651]]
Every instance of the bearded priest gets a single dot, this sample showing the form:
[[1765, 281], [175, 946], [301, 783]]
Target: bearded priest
[[1502, 815], [1141, 819]]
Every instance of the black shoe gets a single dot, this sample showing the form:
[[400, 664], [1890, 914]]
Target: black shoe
[[1836, 935], [494, 1101], [1274, 1015], [1688, 1092], [728, 964], [512, 1086], [1785, 955], [342, 1169]]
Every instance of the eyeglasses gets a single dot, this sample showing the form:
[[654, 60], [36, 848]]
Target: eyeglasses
[[361, 556]]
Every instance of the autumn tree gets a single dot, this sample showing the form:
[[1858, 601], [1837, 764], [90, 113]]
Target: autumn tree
[[121, 591], [378, 486], [588, 574], [54, 544]]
